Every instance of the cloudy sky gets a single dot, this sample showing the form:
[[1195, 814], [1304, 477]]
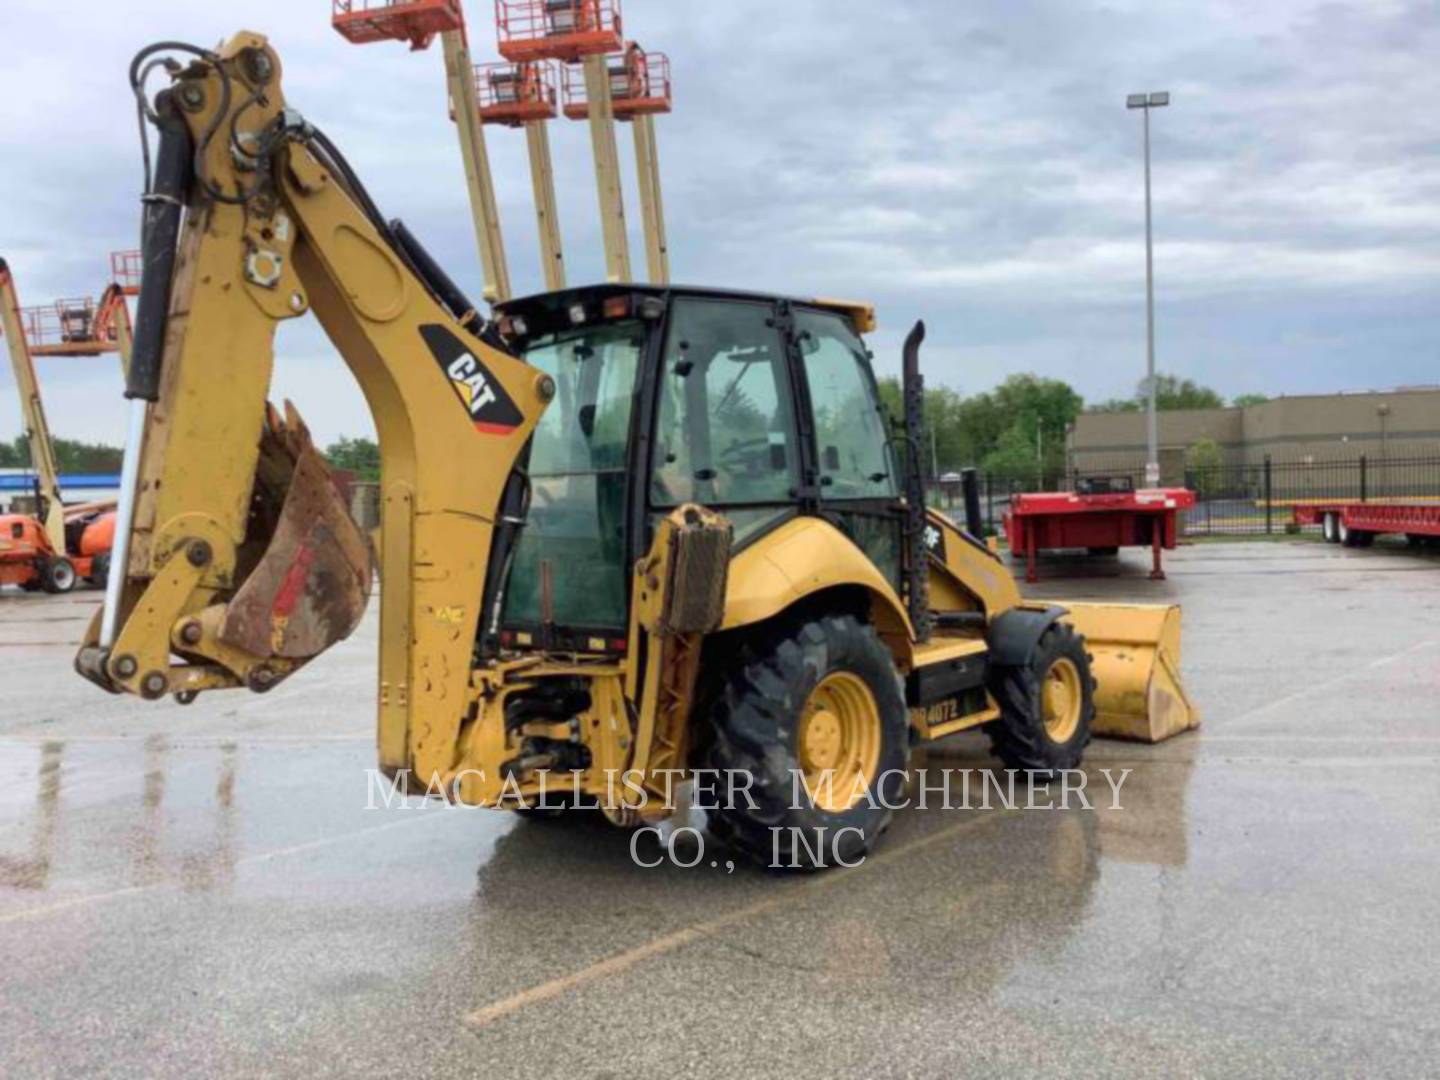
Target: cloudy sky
[[971, 163]]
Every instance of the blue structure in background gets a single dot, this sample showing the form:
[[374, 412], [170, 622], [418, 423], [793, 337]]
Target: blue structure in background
[[19, 481]]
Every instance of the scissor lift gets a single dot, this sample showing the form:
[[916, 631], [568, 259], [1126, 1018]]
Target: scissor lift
[[640, 89]]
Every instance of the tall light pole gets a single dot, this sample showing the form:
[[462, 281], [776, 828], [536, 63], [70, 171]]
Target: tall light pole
[[1146, 102]]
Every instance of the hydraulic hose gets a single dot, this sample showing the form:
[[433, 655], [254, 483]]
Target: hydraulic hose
[[430, 272], [164, 205]]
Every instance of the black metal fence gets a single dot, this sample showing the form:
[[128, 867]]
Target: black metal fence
[[1254, 498], [1258, 498]]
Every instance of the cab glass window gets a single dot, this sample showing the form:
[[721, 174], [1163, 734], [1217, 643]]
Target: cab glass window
[[853, 450], [574, 533], [724, 432]]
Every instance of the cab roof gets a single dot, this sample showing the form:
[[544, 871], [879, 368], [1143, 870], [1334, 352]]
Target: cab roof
[[861, 314]]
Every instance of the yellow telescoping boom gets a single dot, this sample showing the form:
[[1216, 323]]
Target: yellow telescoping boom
[[626, 529], [51, 511]]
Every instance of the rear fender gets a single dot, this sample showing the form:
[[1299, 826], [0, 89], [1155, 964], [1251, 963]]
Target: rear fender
[[803, 557]]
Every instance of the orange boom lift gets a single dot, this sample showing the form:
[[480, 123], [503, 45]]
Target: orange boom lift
[[418, 22], [639, 85], [53, 547], [578, 32]]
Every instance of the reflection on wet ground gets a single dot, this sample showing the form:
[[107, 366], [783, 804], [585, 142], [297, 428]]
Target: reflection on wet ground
[[205, 890]]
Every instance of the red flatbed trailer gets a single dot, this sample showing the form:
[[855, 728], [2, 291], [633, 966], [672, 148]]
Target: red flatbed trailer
[[1050, 520], [1356, 524]]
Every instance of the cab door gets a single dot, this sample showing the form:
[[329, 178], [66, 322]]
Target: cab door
[[855, 466], [725, 432]]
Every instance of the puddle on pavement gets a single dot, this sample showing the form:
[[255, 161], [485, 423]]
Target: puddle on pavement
[[86, 816]]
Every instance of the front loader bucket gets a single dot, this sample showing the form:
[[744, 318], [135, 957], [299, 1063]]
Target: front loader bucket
[[1135, 650], [310, 585]]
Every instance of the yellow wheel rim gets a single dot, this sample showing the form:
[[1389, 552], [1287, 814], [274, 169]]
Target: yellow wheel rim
[[839, 741], [1060, 700]]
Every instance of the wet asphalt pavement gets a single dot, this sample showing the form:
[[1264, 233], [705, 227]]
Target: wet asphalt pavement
[[203, 890]]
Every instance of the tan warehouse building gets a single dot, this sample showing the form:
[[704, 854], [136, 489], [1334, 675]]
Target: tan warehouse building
[[1392, 424]]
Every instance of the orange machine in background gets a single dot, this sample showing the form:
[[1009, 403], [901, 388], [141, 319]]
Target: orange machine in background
[[58, 545]]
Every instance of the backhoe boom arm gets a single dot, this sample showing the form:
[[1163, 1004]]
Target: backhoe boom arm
[[241, 564]]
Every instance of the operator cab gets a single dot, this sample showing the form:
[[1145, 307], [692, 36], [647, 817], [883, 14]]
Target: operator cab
[[759, 407]]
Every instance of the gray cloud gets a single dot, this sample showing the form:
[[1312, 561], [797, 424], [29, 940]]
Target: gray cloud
[[972, 164]]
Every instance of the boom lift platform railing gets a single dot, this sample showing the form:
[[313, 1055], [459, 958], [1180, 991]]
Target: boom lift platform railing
[[82, 326], [415, 21]]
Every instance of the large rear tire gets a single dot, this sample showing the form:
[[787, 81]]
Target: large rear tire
[[1046, 707], [57, 575], [802, 700]]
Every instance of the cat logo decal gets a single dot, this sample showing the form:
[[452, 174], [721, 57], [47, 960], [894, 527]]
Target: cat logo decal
[[490, 408]]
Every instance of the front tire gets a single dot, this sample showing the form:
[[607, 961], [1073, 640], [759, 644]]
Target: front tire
[[58, 575], [804, 699], [1047, 707]]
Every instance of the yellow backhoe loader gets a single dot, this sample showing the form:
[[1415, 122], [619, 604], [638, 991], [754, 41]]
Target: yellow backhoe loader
[[626, 530]]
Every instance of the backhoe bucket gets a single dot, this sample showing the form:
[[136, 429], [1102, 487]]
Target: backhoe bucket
[[1135, 650], [311, 584]]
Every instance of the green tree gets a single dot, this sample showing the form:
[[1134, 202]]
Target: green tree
[[1204, 461], [969, 430], [1114, 405], [361, 456], [1016, 454], [946, 434], [1173, 392], [71, 456], [1242, 400]]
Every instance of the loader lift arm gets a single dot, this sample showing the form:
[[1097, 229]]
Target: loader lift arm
[[234, 562]]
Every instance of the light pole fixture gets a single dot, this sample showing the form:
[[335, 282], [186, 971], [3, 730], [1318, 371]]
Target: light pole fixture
[[1145, 102]]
